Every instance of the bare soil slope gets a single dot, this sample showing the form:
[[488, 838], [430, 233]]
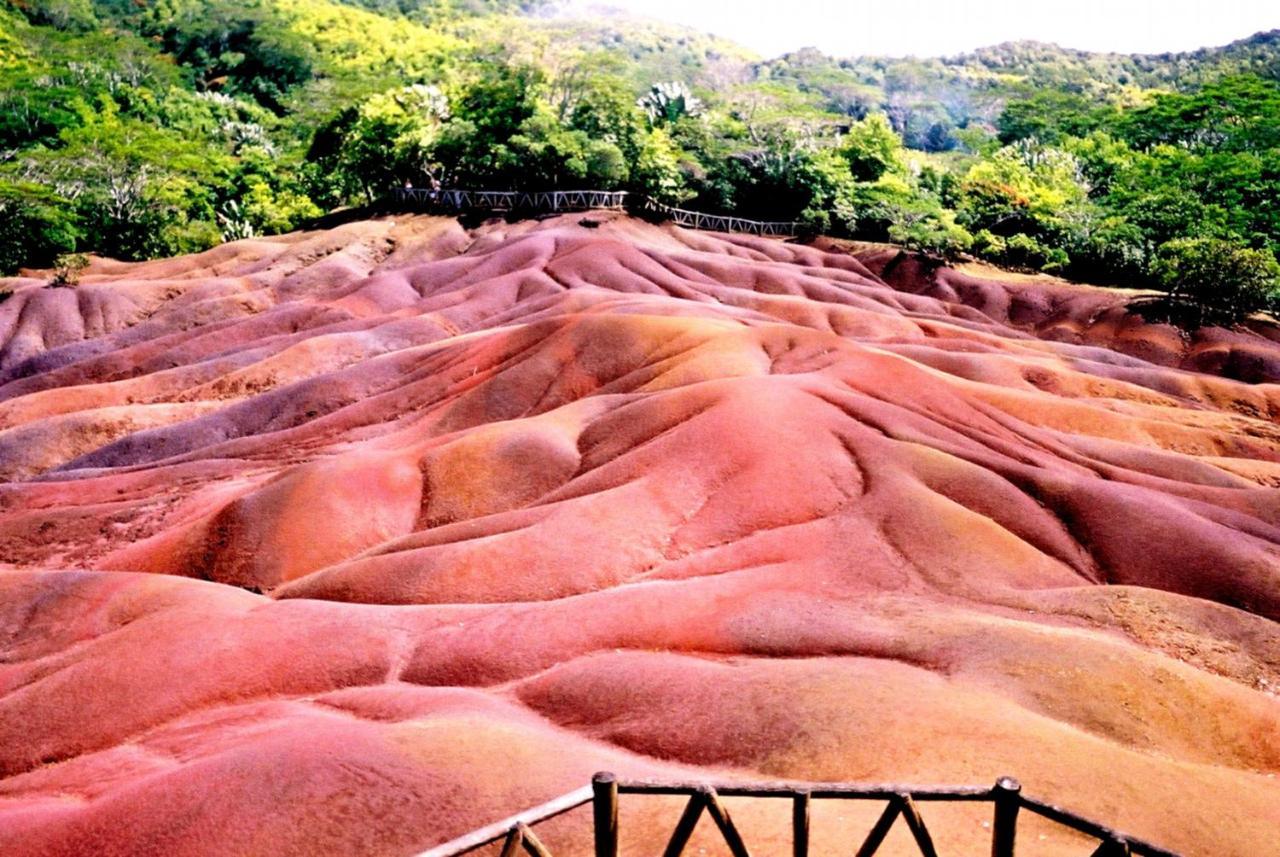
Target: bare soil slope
[[347, 542]]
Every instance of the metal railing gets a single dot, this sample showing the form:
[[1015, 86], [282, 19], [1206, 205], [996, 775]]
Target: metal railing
[[551, 201], [723, 223], [516, 832]]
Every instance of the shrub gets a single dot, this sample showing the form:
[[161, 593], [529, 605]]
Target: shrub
[[930, 229], [1213, 280], [987, 245], [35, 226], [1023, 251], [1020, 251], [67, 269], [1106, 249]]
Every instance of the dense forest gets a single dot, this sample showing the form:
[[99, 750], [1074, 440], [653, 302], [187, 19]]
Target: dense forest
[[143, 128]]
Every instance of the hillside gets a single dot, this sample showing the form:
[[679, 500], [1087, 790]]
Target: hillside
[[344, 542], [929, 99]]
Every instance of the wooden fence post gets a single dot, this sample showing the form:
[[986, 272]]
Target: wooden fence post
[[800, 825], [684, 827], [513, 842], [881, 828], [532, 844], [911, 813], [604, 803], [1004, 831], [720, 816]]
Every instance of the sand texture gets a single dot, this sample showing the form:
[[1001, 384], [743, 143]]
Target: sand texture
[[348, 542]]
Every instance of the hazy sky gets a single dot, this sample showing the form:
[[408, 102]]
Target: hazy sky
[[939, 27]]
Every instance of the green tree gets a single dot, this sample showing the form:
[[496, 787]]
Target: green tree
[[76, 15], [871, 148], [1217, 281], [487, 114], [784, 175], [136, 191], [608, 114], [543, 154], [1022, 188], [387, 140], [36, 226], [893, 208], [1105, 248], [1238, 113], [1051, 116], [239, 47]]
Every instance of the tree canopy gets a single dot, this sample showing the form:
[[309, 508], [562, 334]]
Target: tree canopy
[[144, 129]]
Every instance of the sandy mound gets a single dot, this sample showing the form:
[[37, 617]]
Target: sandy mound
[[350, 541]]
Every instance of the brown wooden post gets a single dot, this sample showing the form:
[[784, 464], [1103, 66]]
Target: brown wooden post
[[916, 824], [604, 803], [728, 830], [1112, 848], [881, 828], [800, 824], [512, 843], [532, 843], [684, 827], [1005, 825]]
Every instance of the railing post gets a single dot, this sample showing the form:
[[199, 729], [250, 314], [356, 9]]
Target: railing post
[[532, 843], [684, 827], [1004, 831], [800, 825], [604, 788], [720, 816], [512, 844]]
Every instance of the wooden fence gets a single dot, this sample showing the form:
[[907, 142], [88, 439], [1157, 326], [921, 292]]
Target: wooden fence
[[1006, 796], [536, 202]]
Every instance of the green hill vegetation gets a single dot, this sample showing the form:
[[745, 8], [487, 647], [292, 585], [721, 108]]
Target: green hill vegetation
[[142, 128]]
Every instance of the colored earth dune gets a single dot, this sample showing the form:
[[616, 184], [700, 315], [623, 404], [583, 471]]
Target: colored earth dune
[[348, 542]]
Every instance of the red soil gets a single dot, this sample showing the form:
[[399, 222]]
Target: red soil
[[348, 542]]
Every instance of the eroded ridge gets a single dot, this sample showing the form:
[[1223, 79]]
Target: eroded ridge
[[344, 541]]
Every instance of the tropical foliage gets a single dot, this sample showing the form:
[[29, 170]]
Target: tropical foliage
[[140, 129]]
